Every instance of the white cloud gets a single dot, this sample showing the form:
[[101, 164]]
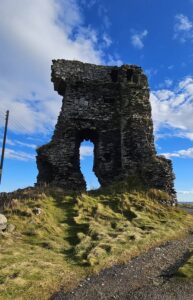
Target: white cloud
[[86, 151], [188, 135], [168, 82], [114, 60], [19, 143], [27, 145], [183, 28], [174, 109], [188, 153], [185, 196], [18, 155], [186, 192], [8, 142], [183, 23], [107, 40], [137, 39], [32, 33]]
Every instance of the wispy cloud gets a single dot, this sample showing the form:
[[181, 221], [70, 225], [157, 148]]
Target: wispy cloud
[[114, 60], [18, 155], [183, 23], [170, 67], [27, 145], [168, 82], [183, 28], [187, 153], [151, 72], [88, 3], [190, 192], [137, 39], [19, 143], [86, 151], [103, 14], [107, 40]]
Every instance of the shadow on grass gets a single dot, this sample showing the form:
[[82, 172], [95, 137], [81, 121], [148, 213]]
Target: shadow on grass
[[72, 230]]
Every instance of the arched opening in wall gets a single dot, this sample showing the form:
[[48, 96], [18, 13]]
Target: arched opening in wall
[[87, 140], [86, 165]]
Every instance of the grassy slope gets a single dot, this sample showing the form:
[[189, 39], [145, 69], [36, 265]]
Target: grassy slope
[[76, 235], [185, 271]]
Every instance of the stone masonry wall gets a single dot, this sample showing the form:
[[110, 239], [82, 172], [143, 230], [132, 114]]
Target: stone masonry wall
[[110, 107]]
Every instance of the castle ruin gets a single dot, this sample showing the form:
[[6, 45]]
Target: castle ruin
[[110, 107]]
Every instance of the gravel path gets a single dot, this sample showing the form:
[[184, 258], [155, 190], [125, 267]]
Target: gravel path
[[145, 277]]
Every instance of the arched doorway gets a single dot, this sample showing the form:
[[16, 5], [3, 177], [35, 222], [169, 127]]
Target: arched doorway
[[87, 140], [86, 165]]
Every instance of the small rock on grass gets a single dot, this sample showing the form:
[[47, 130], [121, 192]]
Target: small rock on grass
[[3, 222], [10, 228], [37, 211]]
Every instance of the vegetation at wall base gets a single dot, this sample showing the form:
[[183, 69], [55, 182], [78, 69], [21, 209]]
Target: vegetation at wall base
[[76, 235]]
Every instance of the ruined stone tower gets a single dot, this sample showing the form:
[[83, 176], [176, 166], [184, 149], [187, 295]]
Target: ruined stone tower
[[110, 107]]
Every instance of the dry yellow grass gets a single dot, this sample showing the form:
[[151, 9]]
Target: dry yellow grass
[[76, 235]]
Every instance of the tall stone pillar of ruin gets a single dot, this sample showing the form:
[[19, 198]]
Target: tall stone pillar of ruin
[[110, 107]]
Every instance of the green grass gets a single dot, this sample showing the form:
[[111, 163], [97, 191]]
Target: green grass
[[186, 271], [77, 235], [186, 205]]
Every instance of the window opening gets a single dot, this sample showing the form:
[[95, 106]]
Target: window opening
[[130, 75], [114, 75]]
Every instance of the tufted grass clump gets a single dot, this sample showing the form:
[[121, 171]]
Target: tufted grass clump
[[118, 225], [32, 260], [78, 234], [186, 270]]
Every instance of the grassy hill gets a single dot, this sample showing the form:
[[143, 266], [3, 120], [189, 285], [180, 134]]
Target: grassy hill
[[76, 235]]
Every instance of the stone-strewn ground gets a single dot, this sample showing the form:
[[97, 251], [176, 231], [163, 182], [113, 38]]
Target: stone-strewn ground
[[148, 276]]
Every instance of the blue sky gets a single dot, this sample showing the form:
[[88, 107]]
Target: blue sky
[[157, 35]]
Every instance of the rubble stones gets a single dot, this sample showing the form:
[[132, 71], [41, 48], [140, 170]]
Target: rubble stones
[[3, 222], [110, 107], [37, 211]]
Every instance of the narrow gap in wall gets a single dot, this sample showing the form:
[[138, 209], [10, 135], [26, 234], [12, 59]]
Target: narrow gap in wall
[[86, 165], [114, 75]]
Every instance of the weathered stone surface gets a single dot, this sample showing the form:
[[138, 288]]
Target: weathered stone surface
[[109, 106], [3, 222], [37, 211]]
